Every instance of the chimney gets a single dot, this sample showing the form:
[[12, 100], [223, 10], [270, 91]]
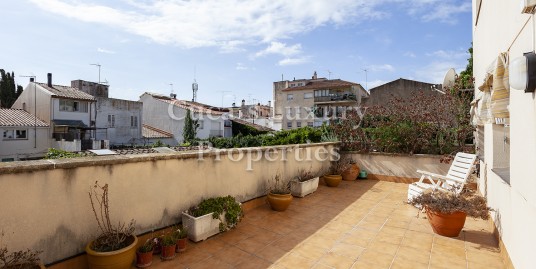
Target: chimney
[[234, 104], [269, 103], [32, 80], [315, 76], [49, 79], [243, 102]]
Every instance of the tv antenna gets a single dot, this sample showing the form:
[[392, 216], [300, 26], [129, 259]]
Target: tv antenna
[[222, 95], [98, 65], [366, 78]]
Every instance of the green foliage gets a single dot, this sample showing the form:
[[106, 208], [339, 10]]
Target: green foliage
[[466, 76], [168, 240], [53, 153], [190, 128], [158, 144], [286, 137], [218, 206], [327, 134], [8, 92], [242, 129], [148, 246]]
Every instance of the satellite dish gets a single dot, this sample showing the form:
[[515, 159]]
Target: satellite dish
[[450, 79]]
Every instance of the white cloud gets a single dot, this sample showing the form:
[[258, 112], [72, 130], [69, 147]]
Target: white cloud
[[101, 50], [449, 54], [280, 48], [242, 66], [382, 67], [435, 71], [410, 54], [294, 61], [232, 24]]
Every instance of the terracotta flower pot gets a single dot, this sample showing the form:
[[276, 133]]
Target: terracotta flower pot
[[279, 202], [448, 225], [144, 259], [333, 180], [118, 259], [181, 245], [168, 252], [351, 173]]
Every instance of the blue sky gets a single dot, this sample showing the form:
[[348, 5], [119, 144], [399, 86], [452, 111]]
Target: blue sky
[[239, 47]]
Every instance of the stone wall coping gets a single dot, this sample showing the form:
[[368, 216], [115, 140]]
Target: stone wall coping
[[68, 163], [394, 154]]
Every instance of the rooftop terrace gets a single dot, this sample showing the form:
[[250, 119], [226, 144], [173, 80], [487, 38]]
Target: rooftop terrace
[[360, 224]]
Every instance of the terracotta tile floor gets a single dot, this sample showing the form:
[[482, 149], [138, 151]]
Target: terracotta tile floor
[[361, 224]]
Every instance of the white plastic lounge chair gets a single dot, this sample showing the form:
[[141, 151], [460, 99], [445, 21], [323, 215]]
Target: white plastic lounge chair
[[461, 168]]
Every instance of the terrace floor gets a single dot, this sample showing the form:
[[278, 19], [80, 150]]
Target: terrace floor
[[360, 224]]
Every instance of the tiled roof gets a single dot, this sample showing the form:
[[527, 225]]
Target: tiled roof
[[67, 92], [19, 118], [152, 132], [192, 106], [333, 83], [252, 125]]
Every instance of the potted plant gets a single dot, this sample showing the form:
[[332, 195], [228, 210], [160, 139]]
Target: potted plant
[[157, 244], [115, 247], [22, 259], [334, 178], [169, 244], [304, 183], [352, 171], [447, 211], [279, 196], [211, 216], [181, 235], [144, 254]]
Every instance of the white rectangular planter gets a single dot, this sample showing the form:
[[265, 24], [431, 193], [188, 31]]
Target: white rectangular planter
[[300, 189], [201, 228]]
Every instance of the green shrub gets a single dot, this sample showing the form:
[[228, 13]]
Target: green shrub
[[53, 153]]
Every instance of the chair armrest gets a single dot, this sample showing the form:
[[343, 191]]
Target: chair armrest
[[434, 175]]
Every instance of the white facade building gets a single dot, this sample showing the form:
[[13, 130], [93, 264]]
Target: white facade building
[[507, 130], [23, 136], [70, 113], [168, 114]]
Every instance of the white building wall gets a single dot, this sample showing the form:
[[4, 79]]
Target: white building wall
[[123, 110], [170, 118], [43, 102], [501, 27], [85, 117], [25, 148]]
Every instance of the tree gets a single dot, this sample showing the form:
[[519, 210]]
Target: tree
[[466, 76], [190, 128], [8, 92]]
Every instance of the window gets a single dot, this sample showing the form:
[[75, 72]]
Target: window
[[298, 124], [300, 84], [290, 97], [15, 134], [201, 124], [111, 121], [308, 95], [289, 124], [134, 121], [310, 124], [73, 106]]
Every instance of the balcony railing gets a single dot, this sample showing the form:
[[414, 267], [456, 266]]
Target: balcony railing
[[336, 98]]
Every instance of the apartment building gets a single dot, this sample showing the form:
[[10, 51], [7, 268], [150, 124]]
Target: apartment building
[[311, 102]]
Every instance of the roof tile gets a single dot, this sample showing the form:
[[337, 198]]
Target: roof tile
[[10, 117]]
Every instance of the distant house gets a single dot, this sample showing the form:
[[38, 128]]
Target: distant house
[[70, 112], [311, 102], [401, 88], [152, 135], [23, 135], [168, 114], [117, 120]]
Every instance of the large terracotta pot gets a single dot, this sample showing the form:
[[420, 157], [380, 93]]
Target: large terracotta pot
[[448, 225], [168, 252], [144, 259], [118, 259], [350, 173], [279, 202], [333, 180]]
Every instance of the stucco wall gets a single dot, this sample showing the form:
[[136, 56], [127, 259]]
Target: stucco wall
[[399, 165], [501, 27], [25, 148], [400, 88], [122, 132], [45, 204]]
